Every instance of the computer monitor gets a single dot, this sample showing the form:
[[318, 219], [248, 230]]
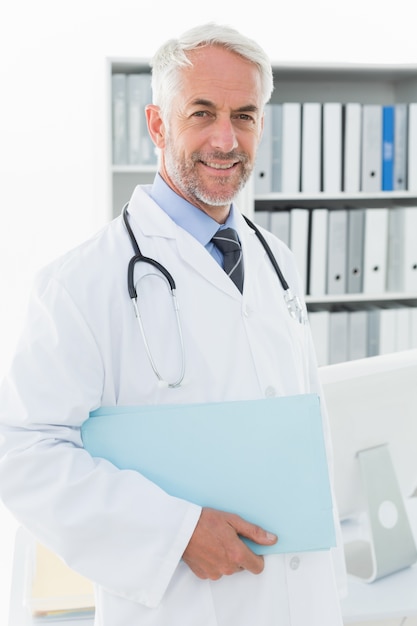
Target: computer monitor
[[372, 409]]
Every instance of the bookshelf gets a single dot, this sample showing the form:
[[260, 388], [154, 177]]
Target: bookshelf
[[124, 176], [342, 83]]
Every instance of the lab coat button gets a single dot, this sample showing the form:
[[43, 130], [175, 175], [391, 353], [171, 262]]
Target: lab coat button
[[270, 392], [295, 562]]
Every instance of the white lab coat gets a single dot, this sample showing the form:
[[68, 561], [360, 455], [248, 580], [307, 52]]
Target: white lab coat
[[82, 349]]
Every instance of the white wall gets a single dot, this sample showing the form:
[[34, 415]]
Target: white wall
[[53, 106]]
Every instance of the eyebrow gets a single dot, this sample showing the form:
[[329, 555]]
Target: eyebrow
[[251, 108]]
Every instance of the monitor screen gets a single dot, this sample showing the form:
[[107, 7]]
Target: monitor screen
[[370, 402]]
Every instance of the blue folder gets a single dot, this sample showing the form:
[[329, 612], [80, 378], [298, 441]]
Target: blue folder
[[262, 459], [388, 113]]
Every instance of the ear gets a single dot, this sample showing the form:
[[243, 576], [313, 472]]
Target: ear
[[262, 125], [155, 125]]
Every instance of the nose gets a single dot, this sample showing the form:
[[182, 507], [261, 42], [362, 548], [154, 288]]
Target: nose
[[223, 136]]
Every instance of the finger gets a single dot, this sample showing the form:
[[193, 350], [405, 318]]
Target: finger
[[254, 563]]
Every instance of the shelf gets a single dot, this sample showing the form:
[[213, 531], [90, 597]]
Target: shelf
[[361, 299], [301, 70], [344, 82], [335, 71], [274, 201], [128, 65]]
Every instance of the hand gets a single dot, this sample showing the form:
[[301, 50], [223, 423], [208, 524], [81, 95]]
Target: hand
[[215, 548]]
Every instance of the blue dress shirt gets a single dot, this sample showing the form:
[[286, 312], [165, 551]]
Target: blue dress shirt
[[190, 218]]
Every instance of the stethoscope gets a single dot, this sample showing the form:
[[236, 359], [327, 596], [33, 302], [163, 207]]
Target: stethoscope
[[292, 301]]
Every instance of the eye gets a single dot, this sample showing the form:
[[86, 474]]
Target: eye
[[245, 118]]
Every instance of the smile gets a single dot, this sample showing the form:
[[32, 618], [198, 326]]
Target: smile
[[220, 166]]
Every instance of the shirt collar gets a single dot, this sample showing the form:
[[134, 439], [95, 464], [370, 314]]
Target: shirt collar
[[186, 215]]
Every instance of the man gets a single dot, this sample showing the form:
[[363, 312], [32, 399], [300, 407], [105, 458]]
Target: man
[[155, 559]]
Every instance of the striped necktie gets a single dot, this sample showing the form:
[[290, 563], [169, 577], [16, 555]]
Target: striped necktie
[[227, 241]]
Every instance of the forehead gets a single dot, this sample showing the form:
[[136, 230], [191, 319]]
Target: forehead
[[217, 73]]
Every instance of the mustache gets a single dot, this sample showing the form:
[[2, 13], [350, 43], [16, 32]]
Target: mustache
[[238, 157]]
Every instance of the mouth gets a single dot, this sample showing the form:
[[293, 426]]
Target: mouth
[[220, 166]]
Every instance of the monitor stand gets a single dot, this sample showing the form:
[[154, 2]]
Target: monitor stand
[[391, 546]]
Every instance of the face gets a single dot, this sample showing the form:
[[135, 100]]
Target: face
[[209, 146]]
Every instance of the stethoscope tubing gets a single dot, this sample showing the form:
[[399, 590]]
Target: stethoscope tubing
[[292, 302], [139, 258], [269, 252]]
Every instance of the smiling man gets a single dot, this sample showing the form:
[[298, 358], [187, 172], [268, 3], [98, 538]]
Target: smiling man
[[209, 135], [155, 559]]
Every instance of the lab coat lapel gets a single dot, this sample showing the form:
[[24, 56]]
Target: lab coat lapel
[[253, 255], [197, 257]]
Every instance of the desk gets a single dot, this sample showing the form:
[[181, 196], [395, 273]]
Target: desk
[[392, 597]]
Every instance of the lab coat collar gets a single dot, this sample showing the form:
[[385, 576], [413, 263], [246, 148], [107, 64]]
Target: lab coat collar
[[148, 217]]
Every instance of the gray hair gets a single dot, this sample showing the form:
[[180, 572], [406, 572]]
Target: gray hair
[[172, 56]]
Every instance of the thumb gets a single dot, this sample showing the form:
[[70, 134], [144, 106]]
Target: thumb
[[254, 532]]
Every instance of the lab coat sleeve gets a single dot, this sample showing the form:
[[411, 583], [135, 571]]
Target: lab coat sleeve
[[113, 526]]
